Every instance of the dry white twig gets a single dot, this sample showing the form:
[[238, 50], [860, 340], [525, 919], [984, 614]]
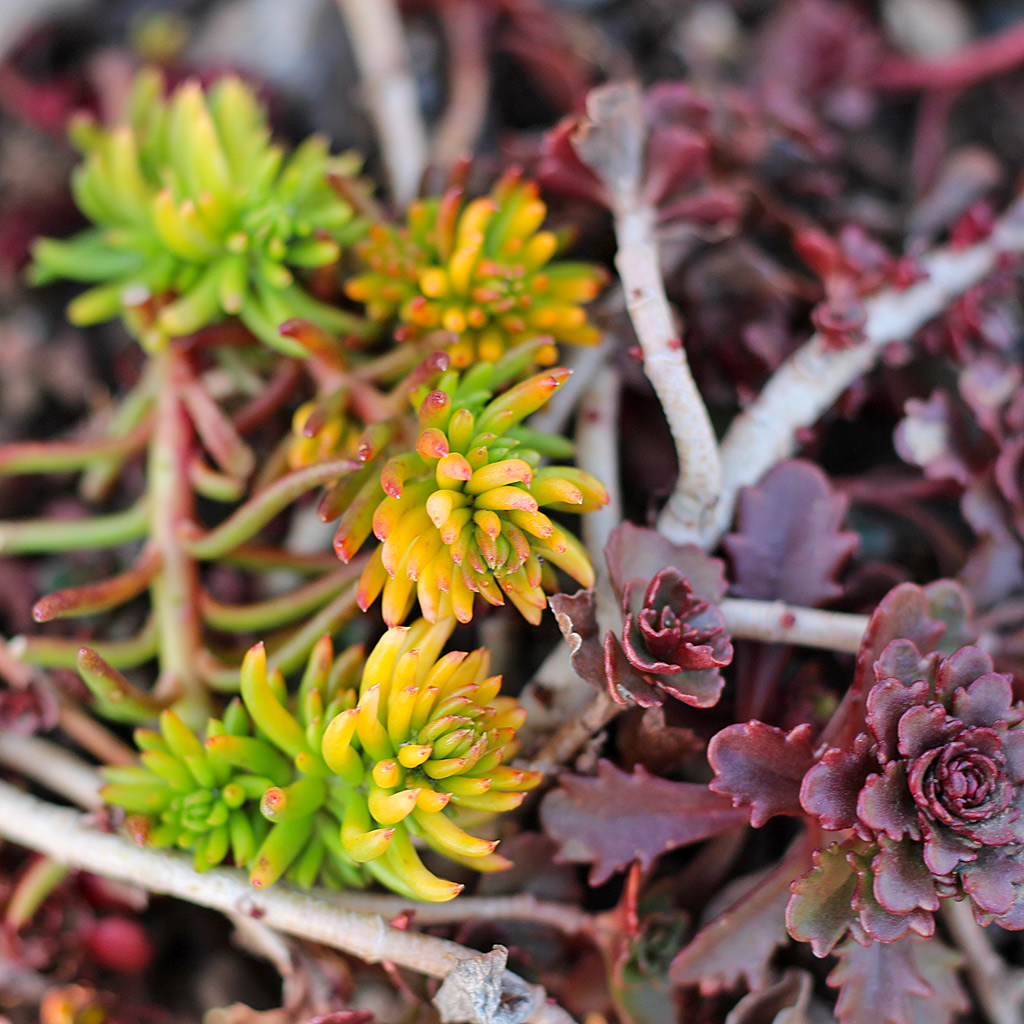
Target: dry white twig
[[612, 144], [999, 988], [67, 775], [52, 766], [465, 24], [811, 380], [375, 28], [775, 622], [597, 452], [62, 835]]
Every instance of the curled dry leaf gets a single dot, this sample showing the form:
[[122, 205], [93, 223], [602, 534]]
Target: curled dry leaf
[[478, 990]]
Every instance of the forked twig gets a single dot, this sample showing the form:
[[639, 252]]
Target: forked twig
[[612, 144]]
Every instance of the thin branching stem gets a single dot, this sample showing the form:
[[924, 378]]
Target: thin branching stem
[[804, 387], [63, 835], [613, 146], [378, 42]]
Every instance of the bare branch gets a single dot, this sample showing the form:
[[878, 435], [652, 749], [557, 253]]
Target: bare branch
[[375, 29], [62, 835], [612, 144], [597, 452], [775, 622], [811, 380], [52, 766]]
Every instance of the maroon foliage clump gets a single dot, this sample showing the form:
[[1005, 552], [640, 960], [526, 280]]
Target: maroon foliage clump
[[673, 634], [929, 796], [669, 630]]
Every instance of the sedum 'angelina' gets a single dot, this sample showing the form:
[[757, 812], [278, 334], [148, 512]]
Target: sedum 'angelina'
[[257, 788], [425, 745], [481, 272], [197, 215], [342, 781], [460, 514]]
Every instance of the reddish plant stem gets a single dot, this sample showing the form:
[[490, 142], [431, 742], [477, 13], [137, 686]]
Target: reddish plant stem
[[972, 64], [465, 24], [175, 590], [279, 389]]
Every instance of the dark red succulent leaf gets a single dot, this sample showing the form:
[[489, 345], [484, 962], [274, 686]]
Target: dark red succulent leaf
[[789, 543], [820, 907], [933, 787], [673, 638], [923, 616], [910, 981], [761, 767], [577, 620], [737, 945], [668, 629], [637, 552], [614, 818]]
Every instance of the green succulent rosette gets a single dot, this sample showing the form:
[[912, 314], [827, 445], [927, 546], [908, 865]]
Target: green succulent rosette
[[197, 215], [344, 781]]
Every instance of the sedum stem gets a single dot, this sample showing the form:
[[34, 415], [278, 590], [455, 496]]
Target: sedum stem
[[35, 536], [775, 622], [175, 589]]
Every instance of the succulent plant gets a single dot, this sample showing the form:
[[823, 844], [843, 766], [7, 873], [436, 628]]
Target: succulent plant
[[336, 783], [459, 515], [424, 749], [197, 215], [322, 430], [673, 639], [480, 271], [932, 795], [255, 787]]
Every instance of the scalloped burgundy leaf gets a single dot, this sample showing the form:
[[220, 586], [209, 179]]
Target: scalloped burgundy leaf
[[761, 767], [950, 603], [830, 789], [636, 552], [820, 907], [789, 542], [903, 614], [614, 818], [738, 944], [902, 882], [876, 921], [625, 683], [912, 981]]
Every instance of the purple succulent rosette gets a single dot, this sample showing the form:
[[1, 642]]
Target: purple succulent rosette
[[674, 638], [668, 629], [933, 793]]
